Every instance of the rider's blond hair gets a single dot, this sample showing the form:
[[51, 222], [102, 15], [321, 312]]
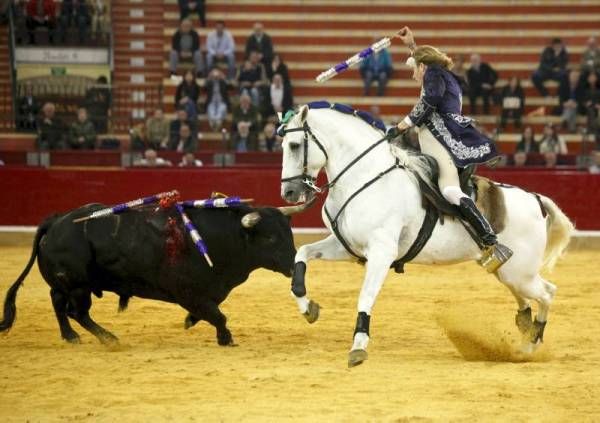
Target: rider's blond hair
[[429, 55]]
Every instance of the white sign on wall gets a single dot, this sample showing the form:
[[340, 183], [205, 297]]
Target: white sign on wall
[[48, 55]]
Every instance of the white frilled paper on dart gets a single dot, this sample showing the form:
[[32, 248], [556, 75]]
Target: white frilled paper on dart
[[354, 60], [411, 63]]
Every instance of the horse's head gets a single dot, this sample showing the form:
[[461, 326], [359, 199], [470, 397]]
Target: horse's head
[[303, 157]]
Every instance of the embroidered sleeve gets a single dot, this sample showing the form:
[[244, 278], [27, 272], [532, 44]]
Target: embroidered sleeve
[[434, 88]]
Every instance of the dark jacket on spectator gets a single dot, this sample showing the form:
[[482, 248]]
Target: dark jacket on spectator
[[251, 115], [51, 134], [192, 91], [49, 8], [28, 108], [208, 89], [527, 147], [175, 126], [68, 8], [485, 75], [282, 69], [82, 129], [567, 92], [190, 144], [97, 102], [257, 73], [549, 60], [251, 142], [287, 102], [264, 46], [175, 44], [518, 92]]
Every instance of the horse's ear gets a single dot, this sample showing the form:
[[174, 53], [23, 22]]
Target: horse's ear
[[303, 113]]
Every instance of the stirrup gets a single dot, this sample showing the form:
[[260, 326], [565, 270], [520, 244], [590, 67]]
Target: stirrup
[[494, 256]]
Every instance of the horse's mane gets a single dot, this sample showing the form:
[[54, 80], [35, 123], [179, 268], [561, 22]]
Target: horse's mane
[[413, 160]]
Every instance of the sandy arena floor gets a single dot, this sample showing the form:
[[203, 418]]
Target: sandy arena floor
[[285, 369]]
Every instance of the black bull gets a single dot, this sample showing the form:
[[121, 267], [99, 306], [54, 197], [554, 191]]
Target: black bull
[[139, 253]]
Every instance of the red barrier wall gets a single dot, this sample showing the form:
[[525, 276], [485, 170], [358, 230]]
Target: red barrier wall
[[30, 194]]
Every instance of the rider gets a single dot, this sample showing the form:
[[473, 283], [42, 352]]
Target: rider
[[449, 137]]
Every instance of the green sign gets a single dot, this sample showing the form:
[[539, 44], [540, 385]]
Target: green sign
[[58, 71]]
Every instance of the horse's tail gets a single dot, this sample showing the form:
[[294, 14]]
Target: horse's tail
[[559, 229], [10, 309]]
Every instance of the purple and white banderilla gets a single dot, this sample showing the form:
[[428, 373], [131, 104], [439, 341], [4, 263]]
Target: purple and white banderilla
[[193, 232], [120, 208], [212, 203], [354, 60]]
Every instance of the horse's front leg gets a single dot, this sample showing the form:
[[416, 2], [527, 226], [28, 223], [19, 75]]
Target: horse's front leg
[[326, 249], [381, 256]]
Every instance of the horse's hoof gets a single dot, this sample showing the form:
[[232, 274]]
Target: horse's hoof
[[528, 347], [312, 314], [356, 358]]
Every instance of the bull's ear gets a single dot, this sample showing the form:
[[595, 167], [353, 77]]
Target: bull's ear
[[250, 219], [303, 112]]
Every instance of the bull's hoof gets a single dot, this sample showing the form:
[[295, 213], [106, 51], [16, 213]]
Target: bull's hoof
[[312, 314], [225, 339], [189, 322], [108, 338], [356, 358], [72, 339]]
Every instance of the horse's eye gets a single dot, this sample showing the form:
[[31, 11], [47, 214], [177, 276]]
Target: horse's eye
[[294, 146]]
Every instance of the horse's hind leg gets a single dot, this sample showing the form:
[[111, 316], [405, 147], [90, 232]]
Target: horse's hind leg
[[59, 302], [80, 302], [326, 249], [523, 317]]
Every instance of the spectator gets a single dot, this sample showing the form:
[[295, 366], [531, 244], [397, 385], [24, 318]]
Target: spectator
[[157, 131], [244, 140], [217, 99], [186, 96], [590, 60], [553, 65], [76, 13], [100, 19], [277, 66], [186, 45], [261, 42], [82, 134], [526, 146], [570, 93], [246, 112], [51, 130], [186, 7], [97, 103], [280, 96], [220, 47], [28, 109], [184, 142], [551, 145], [458, 67], [595, 167], [175, 125], [377, 66], [268, 138], [151, 159], [252, 78], [513, 102], [188, 160], [481, 78], [40, 13], [591, 104]]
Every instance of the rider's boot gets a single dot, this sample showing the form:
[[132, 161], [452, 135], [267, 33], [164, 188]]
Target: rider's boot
[[494, 254]]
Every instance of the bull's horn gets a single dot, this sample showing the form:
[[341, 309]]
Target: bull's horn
[[250, 219], [290, 210]]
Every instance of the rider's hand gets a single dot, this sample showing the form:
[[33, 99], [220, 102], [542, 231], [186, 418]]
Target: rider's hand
[[406, 35], [392, 133]]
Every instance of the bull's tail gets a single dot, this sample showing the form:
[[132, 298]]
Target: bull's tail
[[10, 309], [559, 229]]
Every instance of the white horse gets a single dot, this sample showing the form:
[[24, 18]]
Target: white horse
[[381, 222]]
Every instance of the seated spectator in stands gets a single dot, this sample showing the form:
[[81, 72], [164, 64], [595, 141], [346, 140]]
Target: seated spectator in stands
[[595, 167], [220, 47], [157, 131], [376, 67], [188, 160], [513, 102], [82, 134], [186, 45], [100, 19], [51, 130], [252, 78], [458, 66], [590, 60], [76, 13], [551, 145], [40, 13], [184, 142], [175, 125], [244, 139], [187, 94], [151, 159], [570, 94], [217, 99], [280, 97], [97, 103], [527, 145], [278, 66], [246, 112], [28, 109], [261, 42], [186, 7], [553, 65], [268, 140], [591, 103], [481, 78]]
